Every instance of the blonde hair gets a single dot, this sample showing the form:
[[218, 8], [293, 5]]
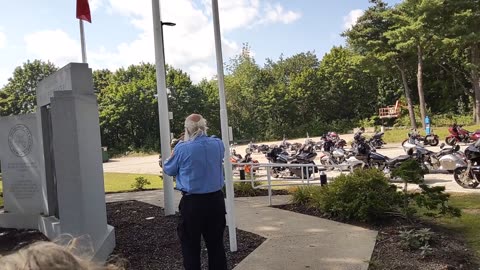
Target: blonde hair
[[49, 256]]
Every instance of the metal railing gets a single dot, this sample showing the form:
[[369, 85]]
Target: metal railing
[[303, 180]]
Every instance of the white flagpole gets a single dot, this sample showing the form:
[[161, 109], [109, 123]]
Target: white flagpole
[[164, 121], [82, 40], [232, 233]]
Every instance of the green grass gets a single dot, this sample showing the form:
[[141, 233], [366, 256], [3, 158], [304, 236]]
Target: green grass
[[469, 223], [399, 135], [119, 182]]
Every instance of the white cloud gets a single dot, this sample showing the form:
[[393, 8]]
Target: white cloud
[[4, 75], [53, 45], [352, 17], [3, 40], [95, 4], [189, 45], [276, 13]]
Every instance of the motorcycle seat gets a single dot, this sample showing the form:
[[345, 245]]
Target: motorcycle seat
[[398, 159], [286, 157]]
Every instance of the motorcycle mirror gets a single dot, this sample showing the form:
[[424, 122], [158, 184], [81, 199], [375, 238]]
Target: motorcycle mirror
[[457, 147], [442, 145]]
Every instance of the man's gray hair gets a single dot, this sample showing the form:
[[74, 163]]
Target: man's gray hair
[[195, 125]]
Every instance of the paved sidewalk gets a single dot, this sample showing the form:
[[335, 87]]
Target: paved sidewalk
[[294, 241]]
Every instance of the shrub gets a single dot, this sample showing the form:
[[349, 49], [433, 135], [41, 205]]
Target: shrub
[[304, 195], [435, 201], [417, 240], [140, 183], [364, 195], [245, 189]]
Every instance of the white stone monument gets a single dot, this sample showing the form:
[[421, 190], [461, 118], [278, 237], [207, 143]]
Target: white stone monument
[[52, 163]]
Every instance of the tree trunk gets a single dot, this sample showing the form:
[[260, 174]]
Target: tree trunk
[[421, 95], [475, 78], [408, 96]]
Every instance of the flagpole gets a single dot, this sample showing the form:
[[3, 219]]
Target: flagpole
[[82, 40], [227, 165], [164, 121]]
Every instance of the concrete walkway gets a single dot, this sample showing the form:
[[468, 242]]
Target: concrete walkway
[[294, 241]]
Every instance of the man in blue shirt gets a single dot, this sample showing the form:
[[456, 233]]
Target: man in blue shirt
[[197, 163]]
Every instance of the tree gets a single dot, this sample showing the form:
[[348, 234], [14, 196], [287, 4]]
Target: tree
[[368, 38], [18, 96], [413, 30], [101, 79], [462, 35]]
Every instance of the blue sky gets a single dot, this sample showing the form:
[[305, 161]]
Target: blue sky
[[121, 31]]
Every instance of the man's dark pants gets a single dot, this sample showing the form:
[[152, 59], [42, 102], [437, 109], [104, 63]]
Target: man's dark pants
[[202, 215]]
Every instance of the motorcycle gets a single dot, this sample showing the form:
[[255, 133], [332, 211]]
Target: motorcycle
[[341, 159], [469, 176], [447, 160], [377, 140], [279, 156], [415, 138], [372, 159], [237, 158], [459, 134]]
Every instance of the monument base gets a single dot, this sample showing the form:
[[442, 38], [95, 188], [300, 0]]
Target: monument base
[[51, 228]]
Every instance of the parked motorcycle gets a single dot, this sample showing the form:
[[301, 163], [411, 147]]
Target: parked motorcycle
[[279, 156], [341, 159], [237, 158], [447, 160], [415, 138], [372, 159], [459, 134], [469, 176], [377, 140]]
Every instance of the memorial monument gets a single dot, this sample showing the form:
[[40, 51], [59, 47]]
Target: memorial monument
[[52, 163]]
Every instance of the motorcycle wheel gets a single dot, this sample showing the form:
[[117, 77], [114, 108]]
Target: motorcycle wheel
[[325, 164], [470, 181], [450, 141], [377, 165], [274, 173], [404, 142], [434, 142], [356, 167]]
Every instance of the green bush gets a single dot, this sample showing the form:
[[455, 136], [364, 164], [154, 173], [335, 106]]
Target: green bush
[[304, 195], [140, 183], [245, 189], [417, 240], [364, 195]]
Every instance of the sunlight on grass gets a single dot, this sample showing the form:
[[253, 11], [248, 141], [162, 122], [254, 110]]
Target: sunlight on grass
[[469, 223], [117, 182], [399, 135]]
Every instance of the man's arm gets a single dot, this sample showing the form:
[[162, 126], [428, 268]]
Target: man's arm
[[171, 165]]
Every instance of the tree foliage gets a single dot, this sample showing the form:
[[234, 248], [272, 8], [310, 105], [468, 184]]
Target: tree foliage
[[18, 96]]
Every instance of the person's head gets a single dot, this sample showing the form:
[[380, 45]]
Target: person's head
[[47, 255], [195, 125]]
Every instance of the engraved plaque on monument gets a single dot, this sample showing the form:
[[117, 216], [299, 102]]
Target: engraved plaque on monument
[[21, 166]]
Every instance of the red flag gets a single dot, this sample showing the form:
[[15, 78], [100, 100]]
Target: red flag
[[83, 11]]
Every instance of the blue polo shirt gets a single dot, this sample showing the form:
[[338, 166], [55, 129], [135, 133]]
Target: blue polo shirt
[[198, 165]]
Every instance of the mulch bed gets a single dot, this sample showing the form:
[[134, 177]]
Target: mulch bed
[[145, 244], [262, 192], [449, 248]]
